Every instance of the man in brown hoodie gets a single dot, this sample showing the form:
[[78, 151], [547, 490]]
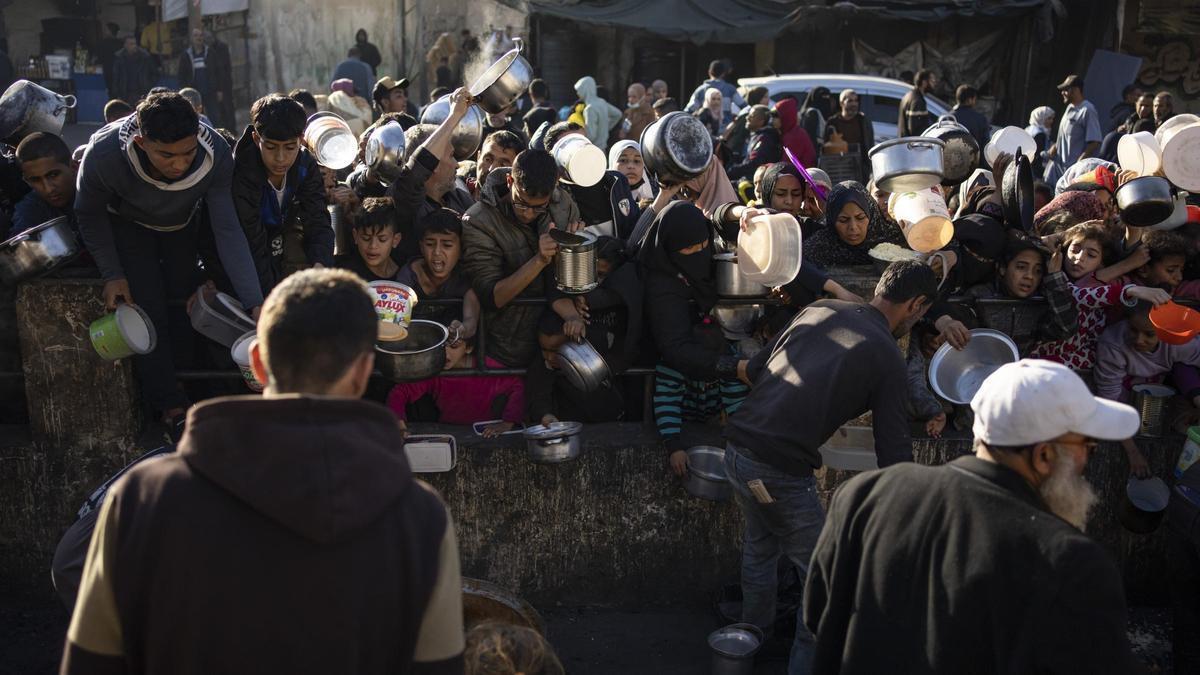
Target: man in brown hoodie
[[287, 534]]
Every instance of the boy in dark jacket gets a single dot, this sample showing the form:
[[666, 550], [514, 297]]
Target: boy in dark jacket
[[276, 182]]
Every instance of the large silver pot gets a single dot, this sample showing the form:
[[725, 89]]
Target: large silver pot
[[384, 153], [1145, 201], [38, 250], [908, 164], [737, 322], [503, 82], [961, 156], [583, 366], [26, 107], [419, 356], [676, 148], [706, 473], [467, 136], [553, 443], [731, 283]]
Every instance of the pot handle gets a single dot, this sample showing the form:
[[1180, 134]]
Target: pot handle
[[920, 145], [520, 44], [67, 101], [17, 240]]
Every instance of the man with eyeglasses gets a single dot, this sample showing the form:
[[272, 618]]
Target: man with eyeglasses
[[979, 565], [508, 251]]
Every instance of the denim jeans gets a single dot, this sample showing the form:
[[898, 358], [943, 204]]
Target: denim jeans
[[789, 525]]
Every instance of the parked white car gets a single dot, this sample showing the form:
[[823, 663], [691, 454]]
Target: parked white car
[[879, 97]]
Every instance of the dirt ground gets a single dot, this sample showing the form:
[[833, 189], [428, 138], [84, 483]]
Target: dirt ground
[[589, 640]]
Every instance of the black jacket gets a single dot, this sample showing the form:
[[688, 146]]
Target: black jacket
[[264, 219], [765, 148], [608, 200], [960, 568]]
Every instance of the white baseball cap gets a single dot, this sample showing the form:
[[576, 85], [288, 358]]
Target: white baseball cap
[[1033, 401]]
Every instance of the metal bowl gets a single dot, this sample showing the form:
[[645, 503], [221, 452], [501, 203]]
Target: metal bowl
[[467, 136], [956, 375], [706, 473], [419, 356], [384, 153], [1145, 201], [553, 443], [38, 250], [503, 82], [583, 366]]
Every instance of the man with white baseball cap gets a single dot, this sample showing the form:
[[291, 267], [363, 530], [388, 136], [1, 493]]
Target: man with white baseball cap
[[979, 565]]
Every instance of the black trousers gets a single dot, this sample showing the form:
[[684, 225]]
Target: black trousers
[[162, 271]]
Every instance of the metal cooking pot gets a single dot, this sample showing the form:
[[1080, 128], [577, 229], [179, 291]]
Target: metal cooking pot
[[26, 107], [731, 283], [957, 374], [737, 322], [961, 156], [553, 443], [676, 148], [1016, 192], [384, 153], [467, 136], [575, 265], [419, 356], [908, 164], [706, 473], [1145, 201], [583, 366], [733, 648], [504, 81], [38, 250]]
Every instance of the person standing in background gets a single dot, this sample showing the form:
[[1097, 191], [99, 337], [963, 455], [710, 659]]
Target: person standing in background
[[914, 113], [729, 93], [658, 91], [1164, 107], [541, 111], [1078, 130], [638, 114], [367, 51], [194, 70], [220, 76], [133, 72], [357, 71], [599, 115], [964, 111]]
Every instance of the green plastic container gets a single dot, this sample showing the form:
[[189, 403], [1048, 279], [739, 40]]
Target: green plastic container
[[123, 333]]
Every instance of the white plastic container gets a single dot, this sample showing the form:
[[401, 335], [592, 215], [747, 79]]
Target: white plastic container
[[581, 162], [923, 217], [1139, 153], [769, 249], [1010, 140], [1191, 452], [240, 351], [431, 453]]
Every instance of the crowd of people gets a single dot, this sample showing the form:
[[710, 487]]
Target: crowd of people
[[166, 200]]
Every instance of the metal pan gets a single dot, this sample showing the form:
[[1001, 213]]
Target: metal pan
[[1016, 190]]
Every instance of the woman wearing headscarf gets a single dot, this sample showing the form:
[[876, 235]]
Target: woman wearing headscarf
[[696, 376], [785, 191], [1041, 125], [818, 105], [1083, 206], [853, 226], [355, 110], [711, 114], [625, 157]]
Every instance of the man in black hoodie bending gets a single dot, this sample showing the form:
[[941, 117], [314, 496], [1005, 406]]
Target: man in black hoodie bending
[[287, 533], [276, 182]]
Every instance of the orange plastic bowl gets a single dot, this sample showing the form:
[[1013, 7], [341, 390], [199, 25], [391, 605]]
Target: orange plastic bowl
[[1175, 324]]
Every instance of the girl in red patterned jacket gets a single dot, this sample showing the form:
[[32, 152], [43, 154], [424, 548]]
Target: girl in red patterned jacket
[[1084, 246]]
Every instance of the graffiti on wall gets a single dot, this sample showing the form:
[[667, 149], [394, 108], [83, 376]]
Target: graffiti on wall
[[1174, 65]]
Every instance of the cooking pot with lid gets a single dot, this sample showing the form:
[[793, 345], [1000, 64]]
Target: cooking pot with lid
[[676, 148], [961, 154], [908, 164]]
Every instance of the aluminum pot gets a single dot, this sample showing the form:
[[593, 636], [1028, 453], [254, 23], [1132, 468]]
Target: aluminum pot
[[583, 366], [1144, 505], [706, 473], [384, 153], [731, 283], [467, 136], [26, 107], [737, 322], [553, 443], [957, 374], [38, 250], [908, 164], [961, 156], [504, 81], [733, 648], [419, 356], [676, 148], [1145, 201]]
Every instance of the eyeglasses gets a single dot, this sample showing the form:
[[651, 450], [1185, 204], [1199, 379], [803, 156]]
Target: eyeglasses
[[530, 208]]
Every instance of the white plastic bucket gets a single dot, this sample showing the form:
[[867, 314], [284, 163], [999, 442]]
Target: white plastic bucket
[[581, 162], [1139, 153], [923, 217], [331, 141], [1181, 155], [769, 249], [1011, 140], [241, 356]]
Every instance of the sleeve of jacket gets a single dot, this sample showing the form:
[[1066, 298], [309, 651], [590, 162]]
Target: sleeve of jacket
[[314, 216], [1063, 317], [408, 190], [889, 417], [231, 240], [95, 641], [671, 326], [697, 99], [247, 202], [92, 195], [440, 639], [482, 261], [1110, 369]]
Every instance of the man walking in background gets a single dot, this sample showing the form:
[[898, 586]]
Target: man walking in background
[[964, 111], [914, 113], [301, 544]]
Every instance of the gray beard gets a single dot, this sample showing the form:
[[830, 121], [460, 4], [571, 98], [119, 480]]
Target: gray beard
[[1069, 495]]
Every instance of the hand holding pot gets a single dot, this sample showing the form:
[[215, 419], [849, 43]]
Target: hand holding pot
[[575, 328], [953, 331], [679, 463], [460, 103], [116, 292], [1154, 296], [748, 215], [547, 248]]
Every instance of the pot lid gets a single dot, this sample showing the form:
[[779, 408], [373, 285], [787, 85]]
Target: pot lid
[[541, 432]]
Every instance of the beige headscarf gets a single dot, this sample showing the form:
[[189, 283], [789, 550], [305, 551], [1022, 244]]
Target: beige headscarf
[[713, 187]]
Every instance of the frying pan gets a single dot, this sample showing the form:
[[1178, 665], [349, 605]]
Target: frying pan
[[1016, 191]]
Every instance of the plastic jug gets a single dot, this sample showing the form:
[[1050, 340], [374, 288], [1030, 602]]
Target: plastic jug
[[1191, 452]]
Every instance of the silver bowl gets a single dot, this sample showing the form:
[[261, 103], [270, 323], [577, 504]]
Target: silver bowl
[[467, 136], [956, 375]]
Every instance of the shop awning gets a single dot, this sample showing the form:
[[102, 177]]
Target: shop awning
[[703, 21]]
